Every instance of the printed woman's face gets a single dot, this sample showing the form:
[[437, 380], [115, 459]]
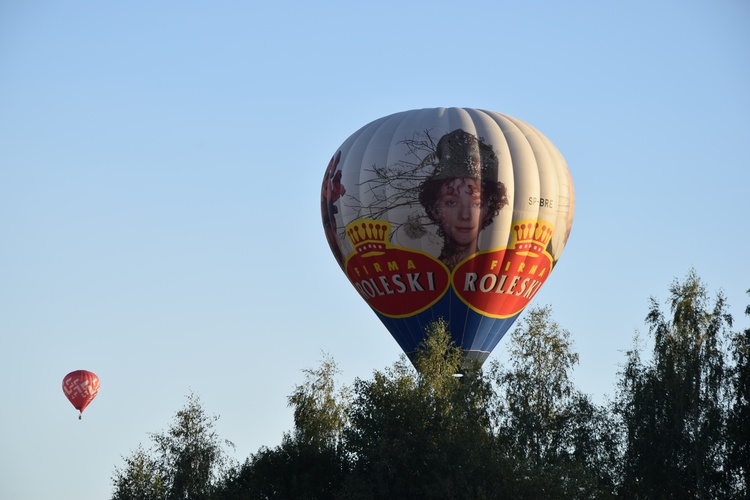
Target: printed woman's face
[[461, 210]]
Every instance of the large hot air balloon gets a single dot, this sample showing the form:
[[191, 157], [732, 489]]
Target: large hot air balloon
[[80, 387], [450, 213]]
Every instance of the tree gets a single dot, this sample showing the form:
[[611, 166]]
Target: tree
[[539, 382], [673, 408], [425, 434], [139, 479], [310, 462], [738, 443], [677, 428], [562, 445], [186, 462], [320, 409], [292, 470]]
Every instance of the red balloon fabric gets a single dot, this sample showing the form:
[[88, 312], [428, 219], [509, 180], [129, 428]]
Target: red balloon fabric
[[80, 387]]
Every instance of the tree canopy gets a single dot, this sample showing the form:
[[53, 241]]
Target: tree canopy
[[677, 427], [187, 461]]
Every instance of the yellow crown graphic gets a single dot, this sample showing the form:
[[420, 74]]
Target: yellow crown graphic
[[531, 236], [368, 236]]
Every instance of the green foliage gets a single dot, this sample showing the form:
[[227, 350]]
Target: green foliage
[[426, 435], [319, 407], [139, 478], [187, 460], [310, 463], [562, 445], [438, 360], [738, 422], [448, 430], [292, 470], [538, 383], [673, 409]]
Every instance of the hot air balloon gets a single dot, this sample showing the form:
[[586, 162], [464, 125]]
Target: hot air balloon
[[80, 387], [447, 213]]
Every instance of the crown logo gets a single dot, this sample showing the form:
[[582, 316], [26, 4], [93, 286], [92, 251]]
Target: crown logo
[[369, 237], [531, 236]]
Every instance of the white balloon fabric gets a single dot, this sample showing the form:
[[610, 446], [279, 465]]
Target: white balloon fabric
[[450, 213]]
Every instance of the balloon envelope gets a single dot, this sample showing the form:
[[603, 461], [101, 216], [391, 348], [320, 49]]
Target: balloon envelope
[[80, 387], [450, 213]]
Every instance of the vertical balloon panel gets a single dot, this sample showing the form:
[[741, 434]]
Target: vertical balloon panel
[[450, 213]]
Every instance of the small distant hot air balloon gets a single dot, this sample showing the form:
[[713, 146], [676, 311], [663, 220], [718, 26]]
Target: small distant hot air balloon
[[80, 387], [447, 213]]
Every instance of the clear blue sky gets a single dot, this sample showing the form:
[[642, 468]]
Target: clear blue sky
[[160, 169]]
